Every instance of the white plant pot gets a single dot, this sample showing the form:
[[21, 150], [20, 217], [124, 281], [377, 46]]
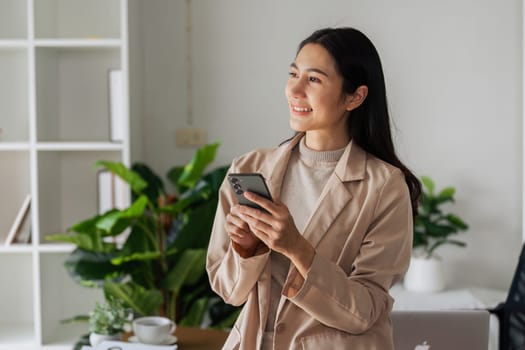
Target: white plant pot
[[425, 275], [95, 338]]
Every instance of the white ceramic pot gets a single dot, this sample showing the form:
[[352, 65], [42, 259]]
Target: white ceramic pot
[[425, 275], [95, 338]]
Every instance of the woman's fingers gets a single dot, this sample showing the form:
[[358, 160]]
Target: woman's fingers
[[275, 227], [237, 221], [239, 231], [265, 203]]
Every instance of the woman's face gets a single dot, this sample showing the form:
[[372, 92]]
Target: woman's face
[[317, 103]]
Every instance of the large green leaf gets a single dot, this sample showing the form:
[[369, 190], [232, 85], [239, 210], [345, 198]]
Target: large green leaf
[[426, 206], [194, 169], [437, 230], [84, 241], [193, 318], [188, 269], [155, 187], [174, 175], [142, 256], [196, 225], [135, 181], [446, 194], [211, 182], [95, 267], [138, 256], [216, 177], [201, 192], [456, 221], [118, 221], [428, 183], [143, 301], [139, 240]]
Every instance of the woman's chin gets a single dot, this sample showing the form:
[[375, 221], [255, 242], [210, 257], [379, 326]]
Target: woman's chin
[[297, 126]]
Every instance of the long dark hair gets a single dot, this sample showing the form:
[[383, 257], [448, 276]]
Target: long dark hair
[[358, 62]]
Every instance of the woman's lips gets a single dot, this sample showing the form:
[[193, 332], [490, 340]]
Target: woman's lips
[[301, 109]]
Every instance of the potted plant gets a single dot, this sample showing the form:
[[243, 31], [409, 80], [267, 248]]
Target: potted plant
[[432, 229], [160, 268], [108, 321]]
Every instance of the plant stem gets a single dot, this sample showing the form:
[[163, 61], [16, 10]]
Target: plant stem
[[172, 305]]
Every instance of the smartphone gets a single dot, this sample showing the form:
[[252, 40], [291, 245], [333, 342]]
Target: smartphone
[[251, 182]]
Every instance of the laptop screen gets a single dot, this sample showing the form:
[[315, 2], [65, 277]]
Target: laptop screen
[[441, 330]]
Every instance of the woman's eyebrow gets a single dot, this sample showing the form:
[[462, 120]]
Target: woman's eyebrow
[[316, 70]]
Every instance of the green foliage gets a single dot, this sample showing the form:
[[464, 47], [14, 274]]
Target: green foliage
[[432, 227], [110, 317], [160, 268]]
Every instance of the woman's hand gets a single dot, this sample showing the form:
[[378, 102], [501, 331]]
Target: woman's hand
[[277, 230], [244, 241]]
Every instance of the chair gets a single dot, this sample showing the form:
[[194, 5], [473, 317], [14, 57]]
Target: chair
[[511, 313]]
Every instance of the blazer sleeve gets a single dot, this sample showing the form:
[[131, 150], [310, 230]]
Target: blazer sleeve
[[231, 276], [352, 303]]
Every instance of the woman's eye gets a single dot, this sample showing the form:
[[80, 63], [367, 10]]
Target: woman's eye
[[314, 80], [292, 74]]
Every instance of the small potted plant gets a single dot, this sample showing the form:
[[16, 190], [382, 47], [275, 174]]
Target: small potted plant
[[108, 321], [432, 229]]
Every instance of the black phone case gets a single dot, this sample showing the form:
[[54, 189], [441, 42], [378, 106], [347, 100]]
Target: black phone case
[[251, 182]]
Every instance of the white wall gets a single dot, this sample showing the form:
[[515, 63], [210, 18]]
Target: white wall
[[453, 71]]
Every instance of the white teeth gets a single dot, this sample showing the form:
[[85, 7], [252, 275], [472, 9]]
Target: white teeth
[[302, 109]]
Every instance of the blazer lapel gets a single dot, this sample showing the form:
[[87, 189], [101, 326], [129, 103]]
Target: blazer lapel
[[274, 168], [335, 195]]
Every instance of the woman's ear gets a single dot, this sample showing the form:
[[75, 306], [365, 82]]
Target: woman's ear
[[356, 98]]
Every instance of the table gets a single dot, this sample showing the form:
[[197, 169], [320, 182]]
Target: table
[[464, 298], [200, 339]]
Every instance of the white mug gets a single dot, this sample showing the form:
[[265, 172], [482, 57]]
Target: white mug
[[153, 329]]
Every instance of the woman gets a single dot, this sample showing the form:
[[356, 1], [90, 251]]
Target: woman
[[314, 268]]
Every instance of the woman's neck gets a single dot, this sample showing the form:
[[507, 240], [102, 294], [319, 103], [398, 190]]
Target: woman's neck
[[319, 141]]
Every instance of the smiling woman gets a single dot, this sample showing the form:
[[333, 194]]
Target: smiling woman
[[317, 100], [313, 266]]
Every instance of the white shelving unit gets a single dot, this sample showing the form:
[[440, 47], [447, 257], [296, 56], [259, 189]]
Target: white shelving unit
[[55, 56]]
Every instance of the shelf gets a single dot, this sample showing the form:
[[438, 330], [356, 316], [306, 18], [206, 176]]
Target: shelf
[[16, 249], [79, 146], [14, 92], [78, 43], [14, 146], [56, 248], [55, 123], [13, 44], [13, 23], [72, 93]]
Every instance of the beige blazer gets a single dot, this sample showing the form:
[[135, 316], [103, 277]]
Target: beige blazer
[[362, 235]]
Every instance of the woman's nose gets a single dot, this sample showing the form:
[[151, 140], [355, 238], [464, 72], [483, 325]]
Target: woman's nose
[[295, 87]]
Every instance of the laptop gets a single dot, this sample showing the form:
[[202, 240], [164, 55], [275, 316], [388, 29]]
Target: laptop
[[441, 330]]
